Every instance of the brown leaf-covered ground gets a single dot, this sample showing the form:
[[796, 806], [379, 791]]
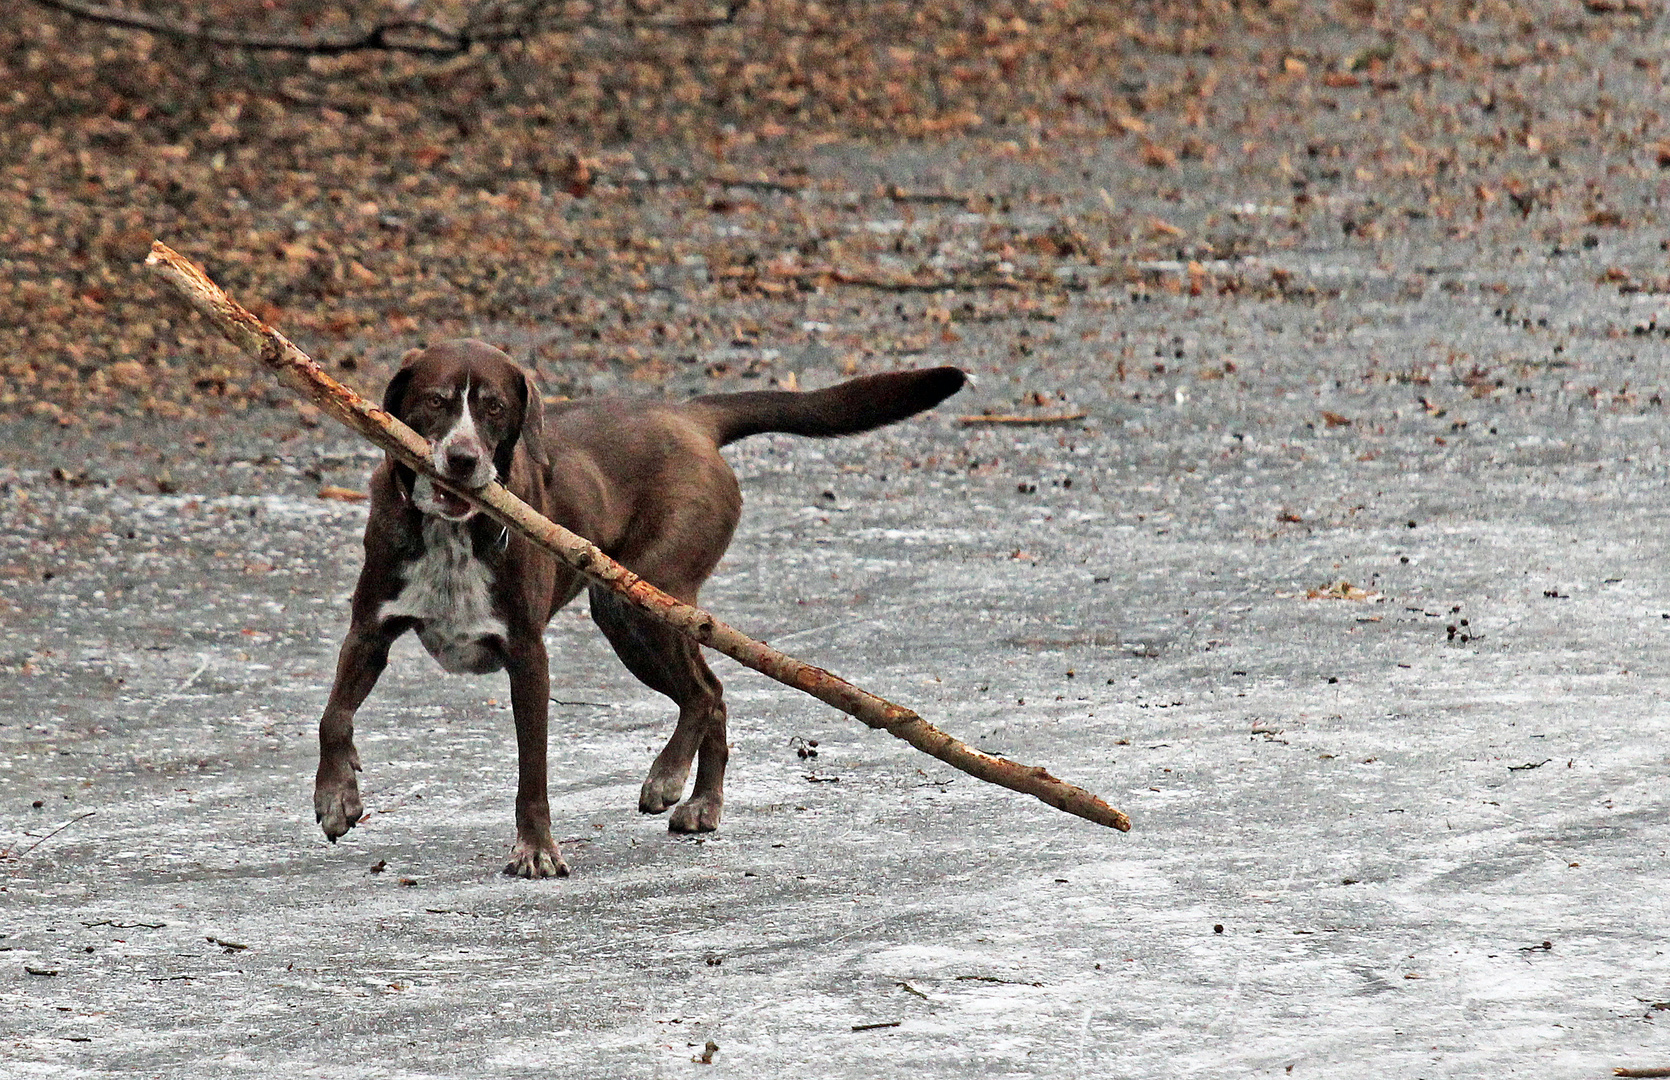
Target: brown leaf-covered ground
[[651, 192]]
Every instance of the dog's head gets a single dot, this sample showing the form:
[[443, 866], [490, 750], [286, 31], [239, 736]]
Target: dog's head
[[475, 407]]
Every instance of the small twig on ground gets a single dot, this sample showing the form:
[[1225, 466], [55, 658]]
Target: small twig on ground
[[841, 625], [1023, 421], [877, 1027], [20, 854], [1641, 1072], [862, 280], [814, 278], [183, 687], [779, 187], [303, 374], [932, 198], [491, 24], [401, 35]]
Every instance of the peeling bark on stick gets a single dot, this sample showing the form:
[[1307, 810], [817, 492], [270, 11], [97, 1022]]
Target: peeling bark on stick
[[303, 375]]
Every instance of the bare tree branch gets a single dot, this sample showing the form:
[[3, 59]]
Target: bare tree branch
[[491, 24]]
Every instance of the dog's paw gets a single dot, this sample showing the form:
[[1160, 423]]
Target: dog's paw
[[337, 807], [535, 861], [696, 815], [660, 793]]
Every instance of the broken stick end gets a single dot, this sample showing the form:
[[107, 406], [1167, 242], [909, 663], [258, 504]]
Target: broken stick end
[[1107, 815]]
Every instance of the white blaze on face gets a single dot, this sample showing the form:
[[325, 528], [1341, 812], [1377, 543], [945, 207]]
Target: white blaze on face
[[464, 436]]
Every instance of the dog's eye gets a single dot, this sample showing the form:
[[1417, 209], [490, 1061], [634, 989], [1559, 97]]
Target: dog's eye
[[493, 408], [437, 400]]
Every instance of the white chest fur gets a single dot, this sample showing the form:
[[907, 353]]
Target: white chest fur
[[450, 591]]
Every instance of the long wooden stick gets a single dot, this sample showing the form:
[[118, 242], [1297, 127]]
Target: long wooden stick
[[305, 376]]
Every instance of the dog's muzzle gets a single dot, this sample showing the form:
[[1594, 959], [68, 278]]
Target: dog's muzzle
[[464, 463], [435, 500]]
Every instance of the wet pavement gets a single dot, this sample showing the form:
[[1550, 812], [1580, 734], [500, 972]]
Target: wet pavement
[[1349, 587], [1396, 767]]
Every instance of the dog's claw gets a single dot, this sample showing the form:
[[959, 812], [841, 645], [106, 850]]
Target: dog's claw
[[531, 861], [696, 815], [653, 804], [337, 808], [660, 793]]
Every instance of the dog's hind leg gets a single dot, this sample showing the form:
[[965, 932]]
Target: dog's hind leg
[[336, 790], [671, 664]]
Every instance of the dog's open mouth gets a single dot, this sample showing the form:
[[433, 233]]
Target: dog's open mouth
[[450, 505]]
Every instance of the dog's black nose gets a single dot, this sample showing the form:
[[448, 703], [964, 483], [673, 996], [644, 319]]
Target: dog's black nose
[[462, 460]]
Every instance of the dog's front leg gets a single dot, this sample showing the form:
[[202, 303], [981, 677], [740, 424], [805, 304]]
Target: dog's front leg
[[535, 854], [336, 790]]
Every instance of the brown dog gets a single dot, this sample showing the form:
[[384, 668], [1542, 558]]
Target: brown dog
[[644, 481]]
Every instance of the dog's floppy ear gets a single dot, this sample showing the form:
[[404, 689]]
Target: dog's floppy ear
[[394, 396], [531, 433]]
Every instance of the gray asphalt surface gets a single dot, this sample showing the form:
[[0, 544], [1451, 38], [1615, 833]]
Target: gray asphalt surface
[[1429, 855], [1354, 597]]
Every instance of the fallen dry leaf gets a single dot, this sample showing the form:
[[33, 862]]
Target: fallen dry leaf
[[1341, 590], [1156, 156]]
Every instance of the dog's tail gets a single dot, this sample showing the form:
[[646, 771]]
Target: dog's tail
[[843, 409]]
